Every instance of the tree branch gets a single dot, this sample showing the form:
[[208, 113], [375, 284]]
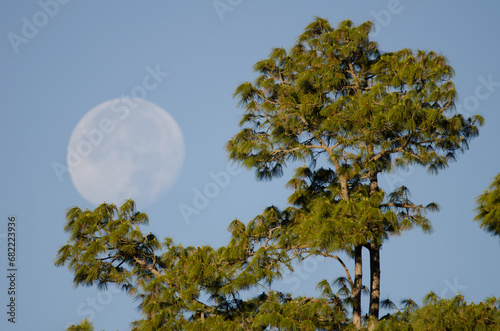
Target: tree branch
[[147, 266]]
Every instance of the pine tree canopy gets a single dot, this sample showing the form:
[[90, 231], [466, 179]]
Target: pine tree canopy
[[188, 288], [335, 93]]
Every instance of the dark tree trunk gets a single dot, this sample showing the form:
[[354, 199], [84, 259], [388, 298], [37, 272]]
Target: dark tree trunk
[[374, 262], [356, 291], [374, 285]]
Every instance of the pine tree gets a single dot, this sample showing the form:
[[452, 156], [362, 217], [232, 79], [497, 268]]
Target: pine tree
[[335, 100], [106, 247]]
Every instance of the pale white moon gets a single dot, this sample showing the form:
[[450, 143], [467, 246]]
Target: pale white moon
[[125, 148]]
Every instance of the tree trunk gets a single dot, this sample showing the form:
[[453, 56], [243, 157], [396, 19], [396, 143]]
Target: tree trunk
[[356, 291], [374, 285], [374, 261]]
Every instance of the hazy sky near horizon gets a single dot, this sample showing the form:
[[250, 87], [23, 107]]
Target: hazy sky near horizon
[[62, 58]]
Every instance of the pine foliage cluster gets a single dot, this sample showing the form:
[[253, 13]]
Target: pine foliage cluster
[[488, 209], [445, 314]]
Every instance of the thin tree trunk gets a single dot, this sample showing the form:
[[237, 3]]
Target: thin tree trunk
[[356, 291], [374, 285], [374, 249], [358, 262]]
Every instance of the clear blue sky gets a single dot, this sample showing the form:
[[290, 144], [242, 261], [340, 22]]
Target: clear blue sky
[[86, 53]]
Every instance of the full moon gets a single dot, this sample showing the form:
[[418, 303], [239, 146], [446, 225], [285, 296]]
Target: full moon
[[125, 148]]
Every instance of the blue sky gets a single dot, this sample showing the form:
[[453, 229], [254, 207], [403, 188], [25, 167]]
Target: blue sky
[[86, 53]]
